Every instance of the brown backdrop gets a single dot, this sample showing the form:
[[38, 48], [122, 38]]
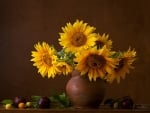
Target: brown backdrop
[[25, 22]]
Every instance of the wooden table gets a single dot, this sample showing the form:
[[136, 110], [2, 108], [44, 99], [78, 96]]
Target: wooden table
[[74, 111]]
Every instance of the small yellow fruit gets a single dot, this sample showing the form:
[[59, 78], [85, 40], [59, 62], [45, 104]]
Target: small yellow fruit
[[21, 105], [28, 104], [115, 105], [8, 106]]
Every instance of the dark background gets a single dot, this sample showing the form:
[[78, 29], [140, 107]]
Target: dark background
[[25, 22]]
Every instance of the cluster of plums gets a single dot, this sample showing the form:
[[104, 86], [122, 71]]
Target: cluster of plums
[[120, 103], [21, 102]]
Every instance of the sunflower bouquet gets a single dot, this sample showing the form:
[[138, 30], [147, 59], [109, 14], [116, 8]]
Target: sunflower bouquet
[[84, 50]]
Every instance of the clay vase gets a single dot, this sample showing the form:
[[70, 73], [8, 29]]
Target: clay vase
[[84, 93]]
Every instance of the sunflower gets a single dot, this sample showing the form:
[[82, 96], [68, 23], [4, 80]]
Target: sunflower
[[77, 36], [124, 66], [44, 59], [103, 40], [64, 68], [95, 62]]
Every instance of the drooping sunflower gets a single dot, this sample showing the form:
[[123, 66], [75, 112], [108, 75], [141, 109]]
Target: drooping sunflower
[[77, 36], [95, 62], [64, 68], [103, 40], [126, 60], [44, 59]]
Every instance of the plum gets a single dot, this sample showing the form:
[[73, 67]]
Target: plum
[[44, 102], [126, 103]]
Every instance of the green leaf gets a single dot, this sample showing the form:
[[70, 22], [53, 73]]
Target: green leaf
[[7, 101], [116, 55], [34, 101], [34, 104], [35, 98], [61, 100]]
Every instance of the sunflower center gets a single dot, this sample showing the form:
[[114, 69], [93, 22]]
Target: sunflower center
[[96, 61], [63, 67], [120, 65], [78, 39], [47, 60], [99, 44]]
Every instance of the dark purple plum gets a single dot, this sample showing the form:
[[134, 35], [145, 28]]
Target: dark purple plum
[[126, 103], [44, 102]]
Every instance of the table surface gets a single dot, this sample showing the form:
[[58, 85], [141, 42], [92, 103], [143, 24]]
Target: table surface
[[74, 111], [142, 108]]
